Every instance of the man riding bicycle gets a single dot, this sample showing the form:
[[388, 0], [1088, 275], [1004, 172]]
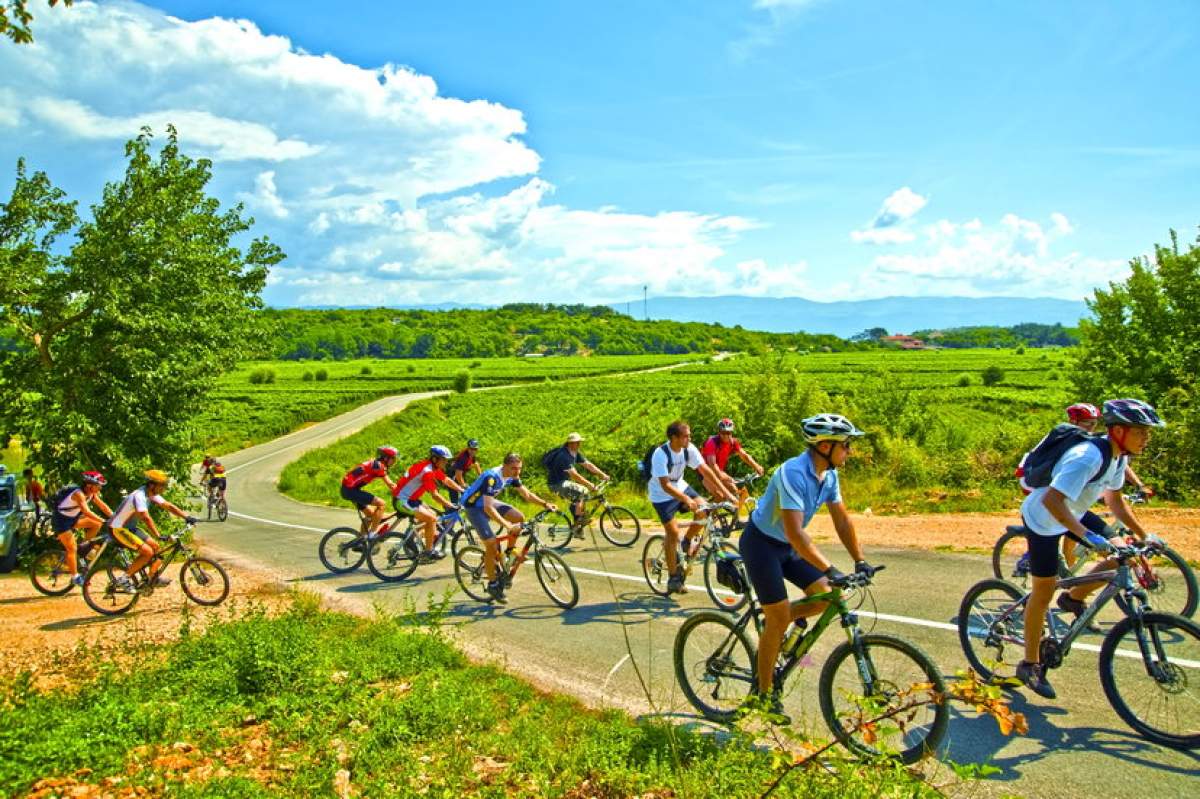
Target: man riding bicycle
[[124, 523], [216, 479], [464, 463], [563, 477], [420, 479], [776, 546], [717, 451], [371, 506], [1078, 479], [72, 512]]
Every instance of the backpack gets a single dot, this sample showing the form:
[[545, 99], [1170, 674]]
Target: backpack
[[1038, 464], [548, 456], [61, 495], [644, 467]]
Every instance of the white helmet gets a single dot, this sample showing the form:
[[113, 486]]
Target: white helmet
[[438, 451], [829, 427]]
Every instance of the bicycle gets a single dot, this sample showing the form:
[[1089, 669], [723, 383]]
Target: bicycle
[[399, 560], [203, 580], [725, 517], [709, 543], [1147, 654], [553, 573], [619, 525], [1164, 573], [343, 549], [48, 566], [216, 502], [869, 674]]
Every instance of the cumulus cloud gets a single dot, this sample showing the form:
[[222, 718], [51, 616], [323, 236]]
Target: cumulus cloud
[[886, 228]]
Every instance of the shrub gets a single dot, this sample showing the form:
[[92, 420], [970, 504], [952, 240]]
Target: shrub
[[992, 375], [263, 375], [322, 375], [1020, 350], [366, 370], [476, 363], [411, 368], [964, 381], [307, 378], [462, 381]]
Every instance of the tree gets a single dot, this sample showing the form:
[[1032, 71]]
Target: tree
[[15, 19], [992, 375], [121, 338], [871, 334]]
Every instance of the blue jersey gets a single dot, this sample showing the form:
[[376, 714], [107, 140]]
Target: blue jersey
[[488, 484], [794, 486]]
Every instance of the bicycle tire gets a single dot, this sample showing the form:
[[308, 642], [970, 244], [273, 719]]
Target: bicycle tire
[[102, 595], [48, 571], [721, 596], [722, 522], [470, 574], [715, 664], [394, 559], [983, 638], [222, 510], [556, 578], [1183, 635], [1170, 602], [555, 530], [654, 564], [919, 735], [620, 526], [336, 552], [1007, 550], [464, 536], [204, 581]]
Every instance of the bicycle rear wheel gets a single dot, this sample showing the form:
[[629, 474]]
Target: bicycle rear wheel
[[714, 664], [342, 550], [103, 595], [654, 564], [48, 571], [204, 581], [469, 571], [556, 578], [222, 509], [1010, 559], [883, 674], [721, 596], [1170, 582], [554, 530], [1155, 690], [992, 638], [461, 538], [394, 558], [620, 526]]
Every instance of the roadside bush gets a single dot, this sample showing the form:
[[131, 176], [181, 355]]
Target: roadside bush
[[476, 364], [263, 375], [322, 375], [964, 381], [462, 381], [1020, 350], [366, 370], [411, 368], [992, 375], [307, 378]]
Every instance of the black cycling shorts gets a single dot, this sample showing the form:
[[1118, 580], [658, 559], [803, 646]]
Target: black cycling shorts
[[769, 562], [360, 498]]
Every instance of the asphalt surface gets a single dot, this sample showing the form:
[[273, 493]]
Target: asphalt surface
[[614, 648]]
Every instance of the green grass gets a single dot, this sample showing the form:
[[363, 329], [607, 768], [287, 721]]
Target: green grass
[[261, 706]]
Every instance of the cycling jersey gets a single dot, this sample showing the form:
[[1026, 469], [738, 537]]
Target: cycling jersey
[[719, 450], [217, 471], [463, 462], [68, 507], [422, 477], [488, 484], [364, 473], [794, 486], [1073, 477], [136, 502]]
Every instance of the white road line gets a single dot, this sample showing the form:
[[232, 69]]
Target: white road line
[[277, 524]]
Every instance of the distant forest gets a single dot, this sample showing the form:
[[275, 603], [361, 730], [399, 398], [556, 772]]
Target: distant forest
[[1028, 335]]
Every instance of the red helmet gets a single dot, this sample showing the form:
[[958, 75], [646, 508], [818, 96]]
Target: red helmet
[[725, 425], [94, 478], [1082, 412], [391, 453]]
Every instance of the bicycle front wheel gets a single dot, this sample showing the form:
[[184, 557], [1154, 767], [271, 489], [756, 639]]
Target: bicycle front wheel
[[990, 630], [1010, 559], [204, 581], [1151, 675], [1170, 582], [714, 664], [471, 576], [654, 564], [620, 526], [222, 510], [880, 675], [556, 578], [394, 559], [48, 571], [721, 596], [103, 595], [555, 530], [342, 550]]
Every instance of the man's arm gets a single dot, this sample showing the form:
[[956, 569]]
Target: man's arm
[[749, 461], [596, 470], [845, 530], [713, 475], [1056, 502], [797, 536], [529, 496], [578, 478], [1115, 501]]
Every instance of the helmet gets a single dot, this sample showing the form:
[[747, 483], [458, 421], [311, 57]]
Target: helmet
[[1132, 412], [472, 443], [94, 479], [1082, 412], [438, 451], [391, 453], [157, 476], [725, 426], [829, 427]]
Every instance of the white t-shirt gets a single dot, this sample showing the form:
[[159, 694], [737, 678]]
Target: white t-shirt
[[1071, 476], [680, 459], [135, 501]]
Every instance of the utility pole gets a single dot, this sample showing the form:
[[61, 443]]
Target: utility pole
[[645, 306]]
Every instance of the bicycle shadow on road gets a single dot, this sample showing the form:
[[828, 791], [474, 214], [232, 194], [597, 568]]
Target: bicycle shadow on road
[[628, 608]]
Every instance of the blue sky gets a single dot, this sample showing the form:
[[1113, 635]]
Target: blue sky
[[570, 152]]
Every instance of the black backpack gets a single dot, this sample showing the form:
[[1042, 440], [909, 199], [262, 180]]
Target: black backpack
[[548, 457], [61, 495], [644, 467], [1040, 461]]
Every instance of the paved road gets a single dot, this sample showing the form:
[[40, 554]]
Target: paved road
[[1075, 747]]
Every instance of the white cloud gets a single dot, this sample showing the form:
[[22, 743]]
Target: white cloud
[[881, 236], [265, 196], [887, 226]]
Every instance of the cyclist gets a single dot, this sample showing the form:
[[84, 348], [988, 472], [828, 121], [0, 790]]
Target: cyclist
[[669, 493], [564, 479], [775, 545], [1056, 510], [464, 463], [717, 450], [420, 479], [216, 478], [371, 506], [135, 508], [480, 503], [71, 512], [206, 469]]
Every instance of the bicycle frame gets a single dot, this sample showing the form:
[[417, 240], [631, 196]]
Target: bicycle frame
[[529, 528]]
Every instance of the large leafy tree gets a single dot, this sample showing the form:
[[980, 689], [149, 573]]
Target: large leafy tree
[[120, 336], [16, 19], [1144, 341]]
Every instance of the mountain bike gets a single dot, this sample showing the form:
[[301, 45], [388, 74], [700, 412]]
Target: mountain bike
[[397, 553], [868, 675], [48, 565], [203, 580], [1163, 573], [706, 545], [619, 526], [343, 549], [553, 573], [725, 517], [216, 502], [1149, 661]]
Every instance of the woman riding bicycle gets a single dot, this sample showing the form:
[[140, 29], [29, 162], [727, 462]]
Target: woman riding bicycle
[[371, 506], [72, 512]]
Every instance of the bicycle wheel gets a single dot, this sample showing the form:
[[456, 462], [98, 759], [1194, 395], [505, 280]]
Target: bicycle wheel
[[722, 524], [654, 564], [1007, 555], [1170, 582], [395, 558], [721, 596], [554, 530], [342, 550], [48, 571], [103, 595], [222, 509], [881, 675], [464, 536], [714, 664], [992, 641], [620, 526], [556, 578], [204, 581], [1155, 690], [468, 570]]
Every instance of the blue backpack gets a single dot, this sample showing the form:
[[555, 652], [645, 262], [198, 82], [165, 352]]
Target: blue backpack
[[644, 467], [1040, 462]]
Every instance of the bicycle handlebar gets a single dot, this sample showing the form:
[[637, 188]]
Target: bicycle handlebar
[[855, 579]]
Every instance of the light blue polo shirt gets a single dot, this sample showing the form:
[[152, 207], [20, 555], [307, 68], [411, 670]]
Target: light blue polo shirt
[[794, 486]]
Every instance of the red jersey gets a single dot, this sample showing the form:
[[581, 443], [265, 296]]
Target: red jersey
[[420, 478], [719, 450], [364, 473]]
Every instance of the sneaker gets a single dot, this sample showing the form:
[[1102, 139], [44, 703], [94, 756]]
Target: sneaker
[[160, 580], [495, 590], [676, 584], [1033, 676], [1070, 604], [122, 583], [77, 580], [1022, 567]]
